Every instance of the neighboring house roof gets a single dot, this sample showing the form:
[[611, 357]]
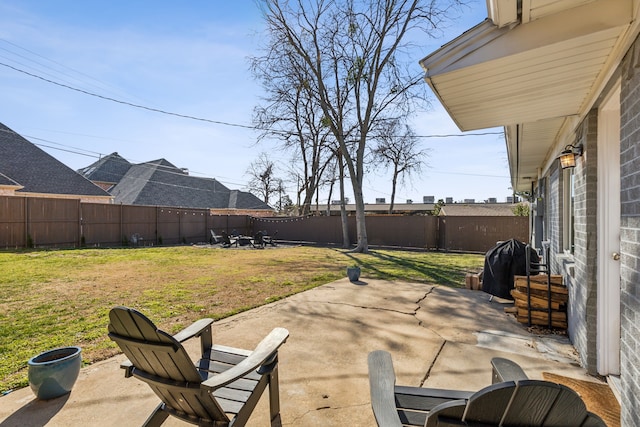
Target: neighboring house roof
[[537, 71], [109, 169], [160, 183], [38, 172], [478, 209]]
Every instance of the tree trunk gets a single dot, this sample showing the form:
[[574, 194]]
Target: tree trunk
[[361, 228], [393, 190], [309, 191], [329, 198], [346, 242]]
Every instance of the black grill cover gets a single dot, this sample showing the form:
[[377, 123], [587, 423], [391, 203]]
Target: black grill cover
[[501, 263]]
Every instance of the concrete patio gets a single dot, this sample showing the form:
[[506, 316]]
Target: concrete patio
[[438, 337]]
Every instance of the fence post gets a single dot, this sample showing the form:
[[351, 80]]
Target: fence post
[[79, 223], [26, 222], [121, 226]]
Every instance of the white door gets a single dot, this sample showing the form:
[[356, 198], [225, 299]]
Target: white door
[[608, 306]]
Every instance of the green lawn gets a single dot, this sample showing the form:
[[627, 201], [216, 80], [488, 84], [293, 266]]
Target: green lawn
[[58, 298]]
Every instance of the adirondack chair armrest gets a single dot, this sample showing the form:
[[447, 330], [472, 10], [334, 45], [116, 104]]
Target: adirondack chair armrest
[[265, 351], [194, 330], [504, 370], [382, 380]]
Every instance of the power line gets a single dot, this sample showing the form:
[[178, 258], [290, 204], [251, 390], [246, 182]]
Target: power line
[[100, 85], [98, 156], [172, 169], [130, 104], [218, 122]]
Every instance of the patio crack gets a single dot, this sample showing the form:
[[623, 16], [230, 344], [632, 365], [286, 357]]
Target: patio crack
[[374, 308], [435, 359], [413, 312], [419, 306]]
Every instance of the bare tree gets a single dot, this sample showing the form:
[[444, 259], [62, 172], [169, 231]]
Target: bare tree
[[262, 177], [291, 114], [349, 53], [398, 149]]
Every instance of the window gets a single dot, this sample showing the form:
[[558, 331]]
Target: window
[[568, 225]]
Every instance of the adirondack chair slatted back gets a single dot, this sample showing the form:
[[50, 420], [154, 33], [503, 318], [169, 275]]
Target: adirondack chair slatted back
[[544, 403], [529, 403], [520, 402], [490, 404], [163, 363]]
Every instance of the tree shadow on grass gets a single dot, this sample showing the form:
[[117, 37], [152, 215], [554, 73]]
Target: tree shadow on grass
[[441, 274]]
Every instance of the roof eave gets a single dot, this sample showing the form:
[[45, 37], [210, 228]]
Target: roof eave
[[541, 76]]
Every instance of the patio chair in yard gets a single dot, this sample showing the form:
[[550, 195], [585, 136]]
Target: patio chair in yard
[[508, 402], [269, 239], [258, 240], [228, 241], [215, 238], [221, 389]]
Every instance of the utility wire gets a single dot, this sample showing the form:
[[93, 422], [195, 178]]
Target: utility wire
[[98, 156], [130, 104], [100, 85], [218, 122], [170, 170]]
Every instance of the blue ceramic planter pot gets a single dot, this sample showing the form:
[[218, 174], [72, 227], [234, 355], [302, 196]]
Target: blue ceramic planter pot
[[353, 273], [54, 372]]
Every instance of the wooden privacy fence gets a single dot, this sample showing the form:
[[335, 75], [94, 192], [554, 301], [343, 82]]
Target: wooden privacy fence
[[481, 233], [48, 222], [382, 230]]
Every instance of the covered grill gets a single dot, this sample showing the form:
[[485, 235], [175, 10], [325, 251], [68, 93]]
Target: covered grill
[[501, 263]]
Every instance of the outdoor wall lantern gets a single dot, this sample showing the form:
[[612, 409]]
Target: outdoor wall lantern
[[569, 154]]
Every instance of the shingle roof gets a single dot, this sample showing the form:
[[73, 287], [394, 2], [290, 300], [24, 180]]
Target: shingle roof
[[478, 209], [37, 171], [110, 168], [160, 183], [245, 200]]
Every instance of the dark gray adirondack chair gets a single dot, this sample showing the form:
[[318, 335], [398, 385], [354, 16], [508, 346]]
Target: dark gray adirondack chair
[[228, 241], [215, 238], [221, 389], [522, 403], [258, 240]]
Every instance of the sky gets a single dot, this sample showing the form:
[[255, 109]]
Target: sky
[[190, 59]]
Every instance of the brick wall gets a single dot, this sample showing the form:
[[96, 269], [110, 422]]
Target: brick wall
[[630, 237], [580, 269], [553, 213]]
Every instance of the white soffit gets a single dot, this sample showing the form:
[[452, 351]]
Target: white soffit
[[528, 146], [547, 68]]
